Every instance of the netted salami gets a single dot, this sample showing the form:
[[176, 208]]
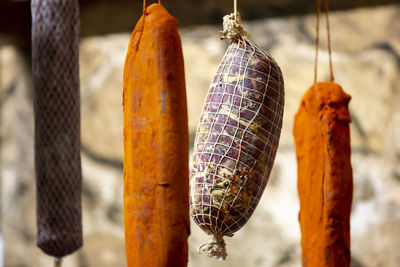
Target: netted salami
[[237, 138], [55, 67]]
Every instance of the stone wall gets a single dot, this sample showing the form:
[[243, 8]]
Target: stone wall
[[366, 44]]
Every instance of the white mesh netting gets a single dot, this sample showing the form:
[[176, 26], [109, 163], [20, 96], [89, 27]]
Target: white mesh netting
[[236, 141]]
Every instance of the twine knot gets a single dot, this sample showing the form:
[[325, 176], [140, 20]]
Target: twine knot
[[232, 27], [215, 248]]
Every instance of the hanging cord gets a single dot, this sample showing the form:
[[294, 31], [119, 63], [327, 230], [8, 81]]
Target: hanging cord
[[232, 26], [57, 262], [329, 40], [317, 41], [145, 6], [235, 10]]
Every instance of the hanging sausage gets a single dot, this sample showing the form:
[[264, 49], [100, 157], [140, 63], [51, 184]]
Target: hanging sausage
[[155, 144], [55, 67], [237, 138], [325, 184]]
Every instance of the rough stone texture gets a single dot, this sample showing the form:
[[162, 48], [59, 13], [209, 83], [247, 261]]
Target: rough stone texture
[[101, 82], [97, 250], [366, 45]]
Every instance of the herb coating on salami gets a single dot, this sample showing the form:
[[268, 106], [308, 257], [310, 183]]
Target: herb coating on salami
[[236, 141]]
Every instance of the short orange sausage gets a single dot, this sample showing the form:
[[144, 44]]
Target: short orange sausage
[[325, 181]]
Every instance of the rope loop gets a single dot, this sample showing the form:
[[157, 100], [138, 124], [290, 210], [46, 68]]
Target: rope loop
[[145, 6], [317, 41]]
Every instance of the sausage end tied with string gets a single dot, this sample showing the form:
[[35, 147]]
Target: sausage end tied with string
[[328, 39], [236, 139]]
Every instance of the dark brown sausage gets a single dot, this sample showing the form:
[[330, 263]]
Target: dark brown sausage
[[55, 40]]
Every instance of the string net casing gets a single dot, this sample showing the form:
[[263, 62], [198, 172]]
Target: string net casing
[[55, 63], [236, 141]]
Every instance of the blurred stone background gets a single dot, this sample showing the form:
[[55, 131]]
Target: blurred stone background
[[366, 45]]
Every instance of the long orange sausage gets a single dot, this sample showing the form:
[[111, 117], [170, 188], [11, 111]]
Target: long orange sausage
[[325, 181], [156, 171]]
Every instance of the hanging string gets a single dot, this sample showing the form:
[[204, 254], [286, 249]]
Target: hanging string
[[317, 41], [57, 262], [145, 6], [235, 9], [329, 40], [232, 26]]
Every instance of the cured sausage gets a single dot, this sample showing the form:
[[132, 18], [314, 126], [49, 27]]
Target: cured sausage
[[236, 140], [325, 180], [156, 209], [55, 66]]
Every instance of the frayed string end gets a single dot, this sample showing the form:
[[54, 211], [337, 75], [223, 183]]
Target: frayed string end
[[232, 27], [215, 248]]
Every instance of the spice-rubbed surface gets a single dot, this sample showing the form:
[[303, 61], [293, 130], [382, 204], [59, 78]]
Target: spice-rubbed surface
[[156, 204], [325, 179]]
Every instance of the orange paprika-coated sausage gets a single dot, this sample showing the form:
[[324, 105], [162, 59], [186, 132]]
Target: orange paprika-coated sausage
[[156, 209], [325, 181]]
